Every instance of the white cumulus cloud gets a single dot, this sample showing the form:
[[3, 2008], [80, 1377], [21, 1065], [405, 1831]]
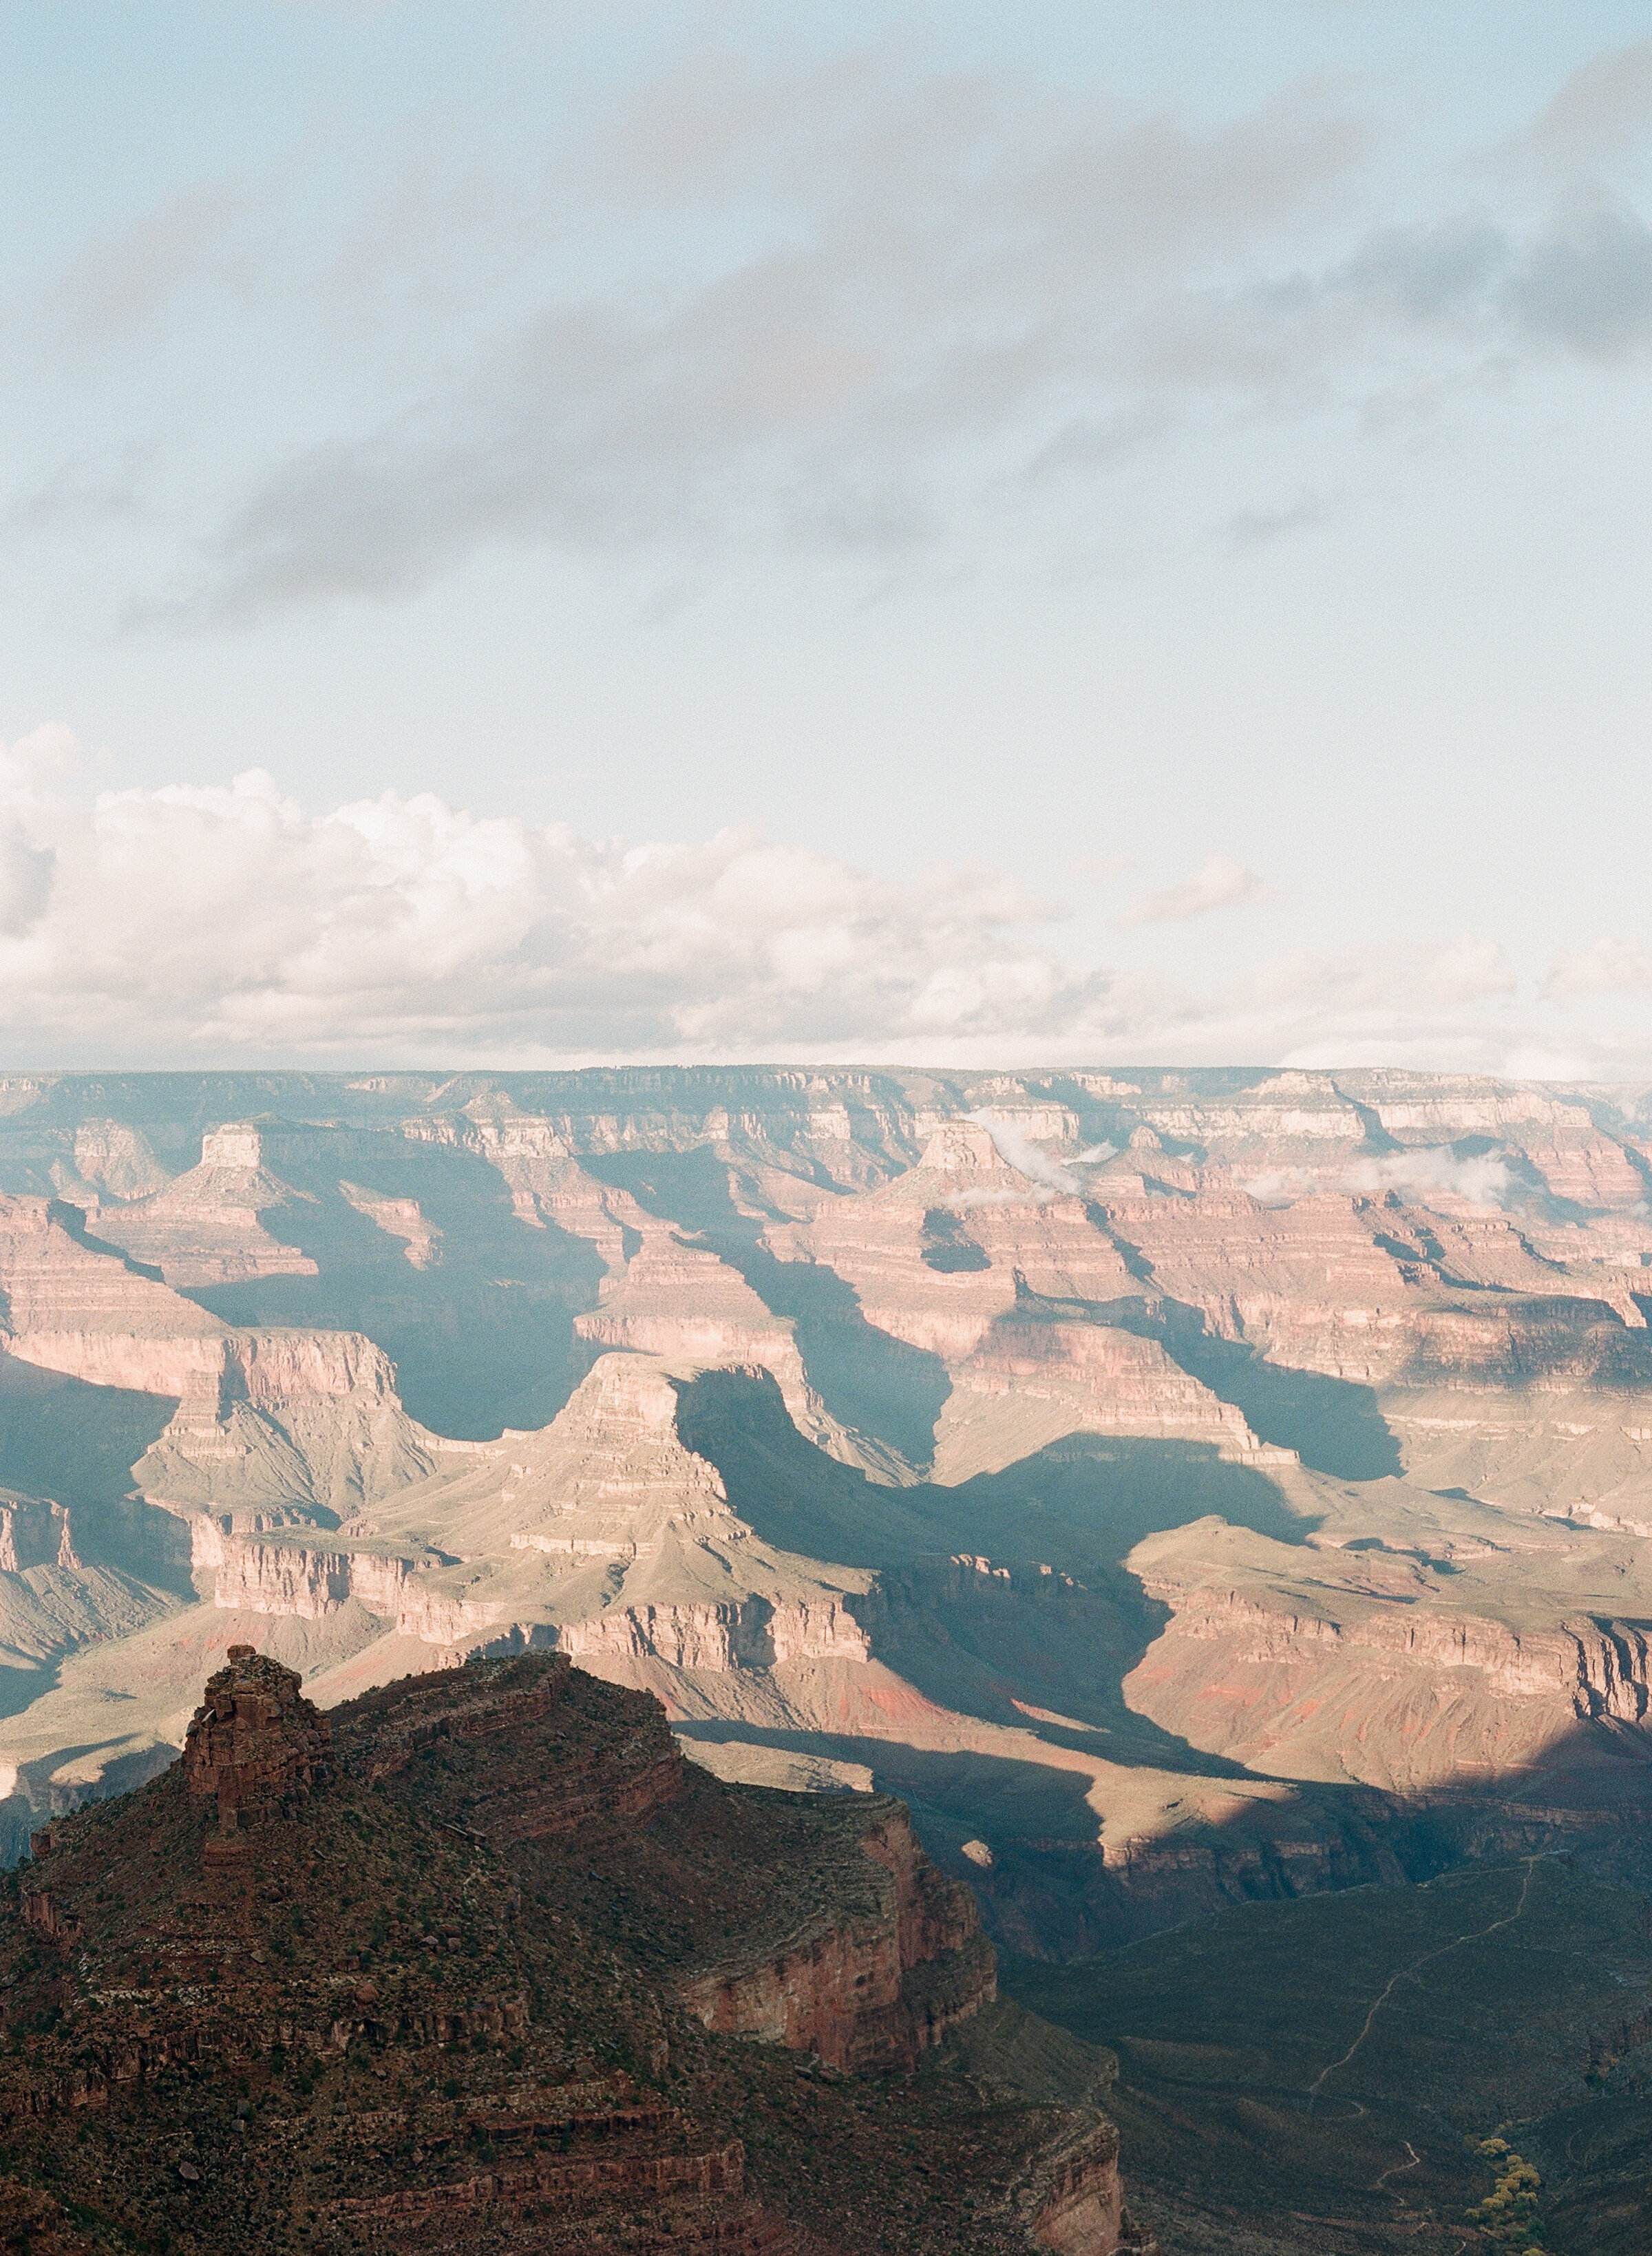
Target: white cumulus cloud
[[224, 918], [207, 923], [1481, 1180], [1610, 967], [1023, 1155]]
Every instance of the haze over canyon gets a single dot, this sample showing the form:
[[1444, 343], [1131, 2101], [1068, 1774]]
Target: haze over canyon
[[1182, 1489]]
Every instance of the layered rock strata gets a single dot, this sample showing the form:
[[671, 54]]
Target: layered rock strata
[[1092, 1328], [438, 2002], [875, 1988], [256, 1745]]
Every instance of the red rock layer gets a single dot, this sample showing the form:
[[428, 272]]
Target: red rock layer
[[255, 1743], [842, 1987]]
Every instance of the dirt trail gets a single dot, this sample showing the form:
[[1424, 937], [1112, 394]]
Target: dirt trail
[[1416, 1966], [1399, 2171]]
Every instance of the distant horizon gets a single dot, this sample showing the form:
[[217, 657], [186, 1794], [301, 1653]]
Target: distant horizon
[[359, 1074]]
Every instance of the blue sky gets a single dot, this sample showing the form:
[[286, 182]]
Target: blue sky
[[1078, 531]]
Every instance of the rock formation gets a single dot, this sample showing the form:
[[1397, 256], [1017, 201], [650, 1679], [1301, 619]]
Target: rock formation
[[1169, 1480], [256, 1745], [505, 1973]]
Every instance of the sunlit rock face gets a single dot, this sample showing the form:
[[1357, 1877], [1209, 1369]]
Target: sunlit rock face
[[1176, 1483]]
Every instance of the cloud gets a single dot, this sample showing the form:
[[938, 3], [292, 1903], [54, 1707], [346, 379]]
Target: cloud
[[1282, 1185], [129, 276], [1420, 1176], [211, 923], [1023, 1155], [857, 307], [1587, 284], [1602, 108], [1431, 270], [227, 919], [1253, 528], [888, 290], [1220, 882], [1469, 968], [1610, 967], [1481, 1180]]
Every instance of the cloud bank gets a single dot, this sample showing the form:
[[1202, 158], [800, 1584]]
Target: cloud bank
[[225, 920], [859, 304], [195, 924]]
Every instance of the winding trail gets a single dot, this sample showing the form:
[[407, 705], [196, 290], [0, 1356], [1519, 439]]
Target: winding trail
[[1399, 2169], [1416, 1966]]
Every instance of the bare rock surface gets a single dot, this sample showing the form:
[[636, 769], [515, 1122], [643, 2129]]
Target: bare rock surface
[[484, 1964]]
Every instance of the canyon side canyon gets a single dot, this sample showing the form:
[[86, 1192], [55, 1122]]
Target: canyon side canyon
[[1184, 1490]]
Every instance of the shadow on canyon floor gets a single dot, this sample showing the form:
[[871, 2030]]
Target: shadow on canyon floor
[[1294, 2073], [867, 1379], [1334, 1425], [76, 1444], [1093, 1496], [63, 1438], [1006, 1598], [481, 1337]]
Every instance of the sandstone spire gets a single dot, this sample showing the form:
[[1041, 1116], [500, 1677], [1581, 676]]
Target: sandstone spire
[[256, 1742]]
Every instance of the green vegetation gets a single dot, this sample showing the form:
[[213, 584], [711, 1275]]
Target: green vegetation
[[1508, 2217]]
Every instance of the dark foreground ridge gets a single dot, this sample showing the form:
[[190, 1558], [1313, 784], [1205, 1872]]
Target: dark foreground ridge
[[477, 1963]]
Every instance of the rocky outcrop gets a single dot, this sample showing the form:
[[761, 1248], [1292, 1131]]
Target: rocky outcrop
[[596, 1775], [1115, 1382], [34, 1531], [421, 1240], [940, 1254], [683, 1304], [1403, 1695], [603, 1536], [204, 1227], [1078, 2201], [270, 1570], [256, 1745], [873, 1980], [753, 1634], [74, 1307], [1597, 1668]]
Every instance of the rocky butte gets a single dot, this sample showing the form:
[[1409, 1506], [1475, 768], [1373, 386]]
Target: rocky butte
[[480, 1963]]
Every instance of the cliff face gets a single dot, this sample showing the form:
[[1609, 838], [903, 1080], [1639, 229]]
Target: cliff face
[[79, 1309], [680, 1302], [603, 1536], [871, 1978], [1070, 1430], [440, 1984]]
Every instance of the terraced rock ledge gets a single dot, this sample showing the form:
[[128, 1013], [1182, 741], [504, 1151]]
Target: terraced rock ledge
[[480, 1963]]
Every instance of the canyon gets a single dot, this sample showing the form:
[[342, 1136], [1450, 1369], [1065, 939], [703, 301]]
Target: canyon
[[479, 1962], [1170, 1483], [1179, 1489]]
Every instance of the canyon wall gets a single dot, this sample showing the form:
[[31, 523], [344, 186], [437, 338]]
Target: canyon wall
[[1125, 1465]]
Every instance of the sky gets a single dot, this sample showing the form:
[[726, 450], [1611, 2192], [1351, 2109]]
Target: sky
[[1075, 534]]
